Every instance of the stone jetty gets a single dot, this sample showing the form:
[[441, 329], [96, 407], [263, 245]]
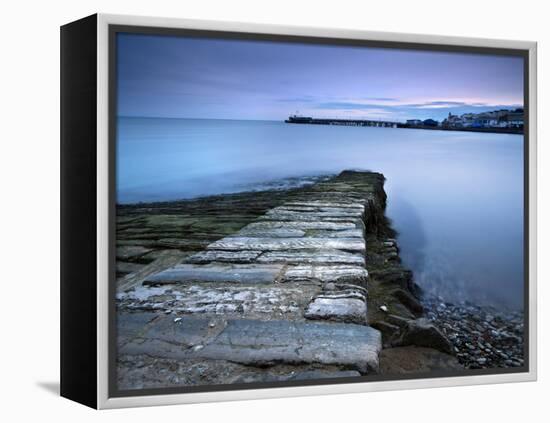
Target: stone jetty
[[309, 286]]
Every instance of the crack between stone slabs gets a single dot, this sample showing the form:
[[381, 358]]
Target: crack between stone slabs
[[141, 331], [280, 276]]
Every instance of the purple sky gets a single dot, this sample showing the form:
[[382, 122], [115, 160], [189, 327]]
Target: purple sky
[[160, 76]]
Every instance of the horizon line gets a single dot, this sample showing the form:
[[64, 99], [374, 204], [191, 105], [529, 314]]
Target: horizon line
[[509, 108]]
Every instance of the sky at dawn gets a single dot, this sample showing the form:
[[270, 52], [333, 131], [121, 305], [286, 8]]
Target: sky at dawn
[[183, 77]]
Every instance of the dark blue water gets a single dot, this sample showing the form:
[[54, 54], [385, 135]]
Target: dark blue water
[[456, 198]]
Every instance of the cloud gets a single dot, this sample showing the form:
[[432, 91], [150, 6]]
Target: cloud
[[443, 104], [303, 99], [436, 104], [394, 104], [383, 99], [349, 105]]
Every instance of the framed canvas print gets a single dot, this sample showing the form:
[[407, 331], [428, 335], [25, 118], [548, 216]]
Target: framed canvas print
[[253, 211]]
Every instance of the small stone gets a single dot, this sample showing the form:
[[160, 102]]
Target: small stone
[[177, 319], [384, 308]]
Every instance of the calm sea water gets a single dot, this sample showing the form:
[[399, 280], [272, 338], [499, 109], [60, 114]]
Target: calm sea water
[[456, 198]]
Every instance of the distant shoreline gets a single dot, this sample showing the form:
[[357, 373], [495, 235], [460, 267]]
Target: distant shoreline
[[487, 130], [397, 125]]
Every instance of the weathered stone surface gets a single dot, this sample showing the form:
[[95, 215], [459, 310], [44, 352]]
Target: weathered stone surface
[[334, 273], [325, 211], [129, 252], [348, 233], [267, 376], [332, 226], [278, 244], [269, 233], [165, 259], [261, 343], [131, 325], [317, 204], [331, 290], [422, 333], [218, 273], [124, 267], [222, 256], [257, 301], [312, 257], [308, 217], [340, 302], [181, 243], [171, 337], [317, 213], [138, 372], [337, 309]]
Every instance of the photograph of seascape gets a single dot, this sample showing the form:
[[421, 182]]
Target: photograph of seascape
[[290, 211]]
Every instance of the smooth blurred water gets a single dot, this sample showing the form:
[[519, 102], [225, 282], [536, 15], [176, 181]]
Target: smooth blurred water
[[456, 198]]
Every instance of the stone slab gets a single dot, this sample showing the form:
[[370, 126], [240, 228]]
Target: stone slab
[[269, 233], [317, 204], [331, 226], [309, 257], [257, 301], [124, 267], [347, 233], [325, 211], [281, 215], [266, 376], [335, 273], [216, 273], [171, 337], [130, 325], [222, 256], [345, 309], [278, 244], [264, 343], [131, 251]]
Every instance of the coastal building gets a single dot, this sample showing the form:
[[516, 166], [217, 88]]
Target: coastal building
[[514, 120], [414, 122], [502, 118], [453, 121], [431, 123], [485, 120]]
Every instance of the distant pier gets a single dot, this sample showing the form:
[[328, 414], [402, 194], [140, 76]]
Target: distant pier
[[388, 124], [341, 122]]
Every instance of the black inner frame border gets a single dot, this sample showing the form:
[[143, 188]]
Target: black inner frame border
[[114, 29]]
